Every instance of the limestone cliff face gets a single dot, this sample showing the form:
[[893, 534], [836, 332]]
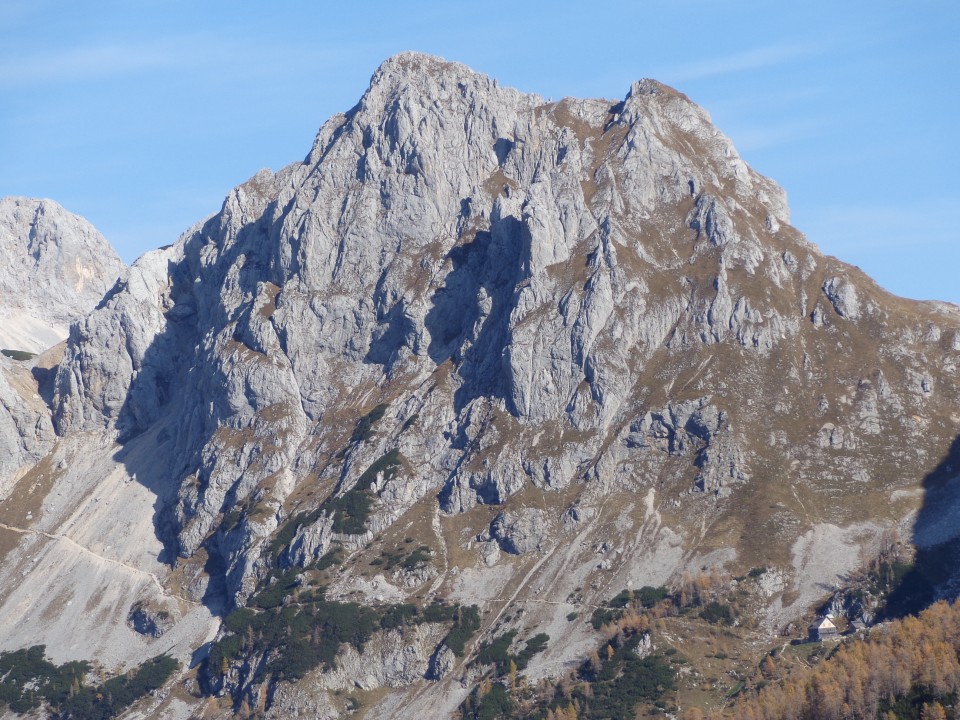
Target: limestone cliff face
[[591, 313], [56, 269], [26, 432], [560, 292]]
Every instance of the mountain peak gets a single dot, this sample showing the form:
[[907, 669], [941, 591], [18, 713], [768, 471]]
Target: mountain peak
[[57, 266], [430, 78], [419, 69], [592, 315], [415, 62]]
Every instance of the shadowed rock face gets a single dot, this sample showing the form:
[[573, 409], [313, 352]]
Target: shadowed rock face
[[26, 432], [592, 313], [56, 269]]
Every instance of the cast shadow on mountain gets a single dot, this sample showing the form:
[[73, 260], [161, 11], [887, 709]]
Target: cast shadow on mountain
[[175, 404], [469, 318], [935, 571]]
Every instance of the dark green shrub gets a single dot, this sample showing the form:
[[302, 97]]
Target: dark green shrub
[[649, 596], [298, 638], [29, 680], [437, 612], [536, 644], [350, 512], [281, 585], [495, 652], [352, 509], [466, 622], [399, 615], [332, 557], [308, 632], [421, 556], [223, 651], [495, 704], [19, 355], [624, 680], [717, 613], [604, 616]]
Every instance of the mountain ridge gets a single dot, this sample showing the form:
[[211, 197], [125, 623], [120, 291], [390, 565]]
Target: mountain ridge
[[568, 347]]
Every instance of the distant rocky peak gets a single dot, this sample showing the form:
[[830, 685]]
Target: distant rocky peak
[[56, 268]]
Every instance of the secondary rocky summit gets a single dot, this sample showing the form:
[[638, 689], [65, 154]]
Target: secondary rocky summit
[[567, 347], [56, 268]]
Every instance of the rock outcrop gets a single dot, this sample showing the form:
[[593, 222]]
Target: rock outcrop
[[26, 432], [521, 532]]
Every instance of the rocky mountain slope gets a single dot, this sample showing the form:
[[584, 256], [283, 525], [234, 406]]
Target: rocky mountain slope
[[476, 348], [56, 269]]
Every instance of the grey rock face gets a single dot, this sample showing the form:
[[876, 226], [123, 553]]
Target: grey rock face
[[26, 432], [441, 662], [56, 269], [524, 531], [392, 658], [551, 304], [694, 429], [309, 543], [843, 296]]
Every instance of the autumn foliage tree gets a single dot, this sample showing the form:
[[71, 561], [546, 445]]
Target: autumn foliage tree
[[908, 665]]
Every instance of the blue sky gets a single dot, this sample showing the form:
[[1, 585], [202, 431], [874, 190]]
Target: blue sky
[[141, 114]]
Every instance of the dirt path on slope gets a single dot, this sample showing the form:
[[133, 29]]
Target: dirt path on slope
[[88, 551]]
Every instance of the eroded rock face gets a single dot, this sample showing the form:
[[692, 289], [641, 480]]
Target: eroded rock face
[[441, 662], [26, 432], [148, 619], [592, 314], [56, 269], [524, 531], [520, 276], [390, 659]]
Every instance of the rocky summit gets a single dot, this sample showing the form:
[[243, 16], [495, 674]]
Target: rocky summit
[[56, 268], [393, 431]]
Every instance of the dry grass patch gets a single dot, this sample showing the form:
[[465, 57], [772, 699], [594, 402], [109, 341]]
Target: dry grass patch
[[29, 493]]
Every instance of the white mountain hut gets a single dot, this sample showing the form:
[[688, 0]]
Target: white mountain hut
[[823, 629]]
